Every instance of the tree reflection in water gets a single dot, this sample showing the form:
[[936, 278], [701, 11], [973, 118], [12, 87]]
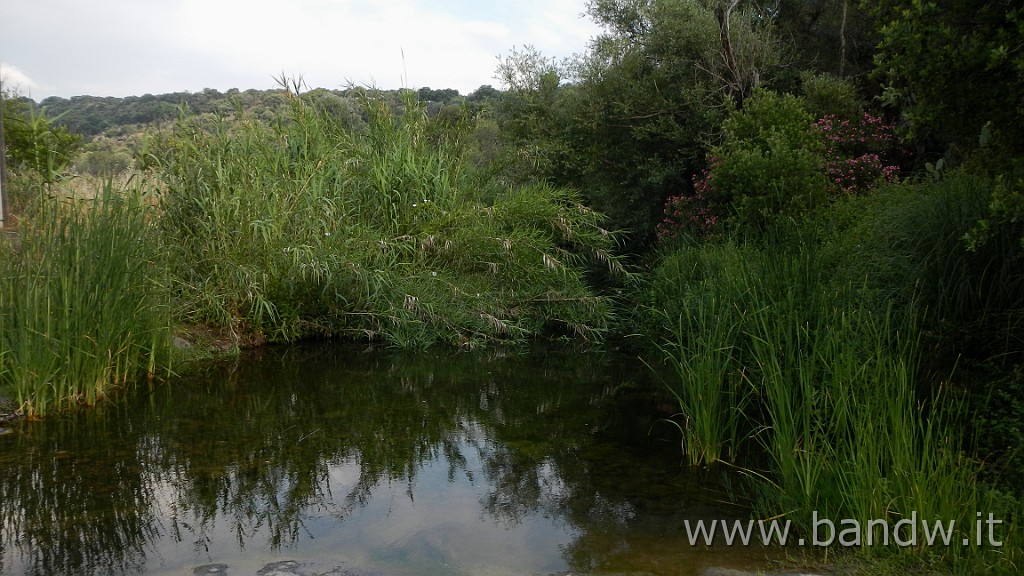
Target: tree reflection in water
[[282, 447]]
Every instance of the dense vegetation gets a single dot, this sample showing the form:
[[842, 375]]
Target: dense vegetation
[[810, 209], [312, 226]]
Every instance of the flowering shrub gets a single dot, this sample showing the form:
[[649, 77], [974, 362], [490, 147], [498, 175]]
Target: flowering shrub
[[776, 161], [690, 214], [859, 154]]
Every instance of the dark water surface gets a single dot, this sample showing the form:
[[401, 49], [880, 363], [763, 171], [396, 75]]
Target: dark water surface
[[378, 462]]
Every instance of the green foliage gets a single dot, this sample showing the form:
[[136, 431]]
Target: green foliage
[[906, 244], [726, 48], [628, 122], [80, 314], [306, 225], [997, 402], [860, 153], [825, 94], [34, 143], [690, 216], [533, 113], [1005, 215], [427, 94], [769, 115], [703, 343], [95, 115], [769, 165], [106, 157], [770, 353], [826, 36], [951, 67]]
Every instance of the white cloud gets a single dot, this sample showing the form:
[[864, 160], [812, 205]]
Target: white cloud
[[16, 81], [122, 47]]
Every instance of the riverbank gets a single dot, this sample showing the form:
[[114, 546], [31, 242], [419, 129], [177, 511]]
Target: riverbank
[[9, 412]]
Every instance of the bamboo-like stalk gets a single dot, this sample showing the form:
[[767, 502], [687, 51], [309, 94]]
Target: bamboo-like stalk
[[303, 226]]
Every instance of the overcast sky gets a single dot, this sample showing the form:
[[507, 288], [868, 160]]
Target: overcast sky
[[134, 47]]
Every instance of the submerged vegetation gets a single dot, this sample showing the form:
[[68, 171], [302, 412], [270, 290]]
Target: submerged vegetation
[[832, 271]]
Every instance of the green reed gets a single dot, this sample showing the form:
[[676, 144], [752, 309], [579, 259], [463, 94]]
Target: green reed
[[306, 225], [774, 358], [709, 389], [81, 318]]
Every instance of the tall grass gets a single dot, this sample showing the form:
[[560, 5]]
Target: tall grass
[[80, 315], [773, 358], [704, 350], [906, 244], [306, 225]]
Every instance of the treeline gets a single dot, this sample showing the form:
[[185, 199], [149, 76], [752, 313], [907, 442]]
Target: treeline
[[91, 116], [103, 136]]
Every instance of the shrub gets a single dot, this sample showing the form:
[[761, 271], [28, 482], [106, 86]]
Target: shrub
[[860, 154], [690, 215], [769, 163], [825, 94]]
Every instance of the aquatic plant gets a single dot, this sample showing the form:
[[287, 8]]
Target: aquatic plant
[[80, 315], [817, 385]]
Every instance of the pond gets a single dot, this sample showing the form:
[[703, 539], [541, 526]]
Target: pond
[[360, 461]]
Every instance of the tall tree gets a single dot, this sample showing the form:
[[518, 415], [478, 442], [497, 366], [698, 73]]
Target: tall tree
[[631, 121], [830, 36]]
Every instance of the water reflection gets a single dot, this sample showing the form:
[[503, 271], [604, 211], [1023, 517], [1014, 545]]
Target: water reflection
[[401, 463]]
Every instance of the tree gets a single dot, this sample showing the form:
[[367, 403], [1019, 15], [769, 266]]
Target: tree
[[630, 121], [533, 117], [727, 46], [826, 36], [483, 93], [34, 143], [427, 94], [953, 68]]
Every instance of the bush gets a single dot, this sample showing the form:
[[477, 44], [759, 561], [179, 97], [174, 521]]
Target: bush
[[690, 215], [860, 153], [907, 244], [769, 166], [825, 94]]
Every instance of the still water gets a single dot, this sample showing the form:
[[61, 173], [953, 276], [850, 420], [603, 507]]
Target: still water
[[372, 461]]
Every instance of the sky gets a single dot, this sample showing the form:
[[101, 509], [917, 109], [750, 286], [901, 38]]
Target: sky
[[135, 47]]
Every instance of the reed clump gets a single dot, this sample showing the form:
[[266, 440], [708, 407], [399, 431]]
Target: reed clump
[[379, 229], [813, 389], [81, 316]]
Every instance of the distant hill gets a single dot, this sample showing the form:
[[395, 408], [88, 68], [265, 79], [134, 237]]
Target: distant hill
[[91, 116]]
